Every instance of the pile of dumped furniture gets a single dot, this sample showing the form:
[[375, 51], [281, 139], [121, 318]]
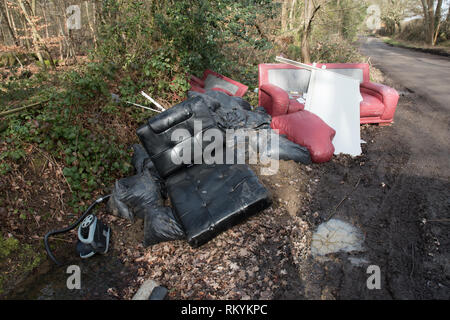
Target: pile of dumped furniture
[[208, 198], [305, 114]]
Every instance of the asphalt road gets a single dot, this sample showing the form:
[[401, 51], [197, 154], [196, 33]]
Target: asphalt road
[[424, 73]]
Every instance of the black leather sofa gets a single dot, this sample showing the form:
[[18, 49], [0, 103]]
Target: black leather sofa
[[207, 198]]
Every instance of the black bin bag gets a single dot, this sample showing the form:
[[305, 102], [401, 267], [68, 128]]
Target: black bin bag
[[160, 225], [139, 196], [141, 161]]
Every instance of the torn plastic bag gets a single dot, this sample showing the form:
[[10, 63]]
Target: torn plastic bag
[[160, 225], [132, 195], [140, 196], [141, 161], [232, 115], [286, 149], [233, 112], [263, 142], [229, 101]]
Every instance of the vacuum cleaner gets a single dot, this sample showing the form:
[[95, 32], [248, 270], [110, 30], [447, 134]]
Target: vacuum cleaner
[[93, 234]]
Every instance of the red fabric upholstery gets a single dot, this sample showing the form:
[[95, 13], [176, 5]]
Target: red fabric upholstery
[[274, 99], [197, 89], [308, 130], [371, 106], [197, 83]]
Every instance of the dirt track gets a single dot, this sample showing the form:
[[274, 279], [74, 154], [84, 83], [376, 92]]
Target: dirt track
[[402, 202]]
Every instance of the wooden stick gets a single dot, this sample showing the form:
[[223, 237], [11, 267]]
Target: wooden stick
[[144, 107], [8, 112], [153, 101]]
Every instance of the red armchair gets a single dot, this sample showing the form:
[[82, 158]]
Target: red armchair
[[278, 97], [279, 87], [378, 105], [276, 101], [214, 81]]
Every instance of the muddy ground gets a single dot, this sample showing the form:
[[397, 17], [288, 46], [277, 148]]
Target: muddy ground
[[397, 193]]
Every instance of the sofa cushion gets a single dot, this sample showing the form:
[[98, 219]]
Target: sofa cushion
[[208, 199], [164, 144], [371, 106], [295, 106], [308, 130]]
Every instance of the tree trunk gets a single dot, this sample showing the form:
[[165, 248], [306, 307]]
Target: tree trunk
[[437, 22], [291, 14], [4, 17], [37, 40], [90, 23], [283, 15], [432, 19], [310, 12]]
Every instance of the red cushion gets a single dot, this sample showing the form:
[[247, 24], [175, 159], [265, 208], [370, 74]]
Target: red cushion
[[371, 106], [308, 130], [295, 106]]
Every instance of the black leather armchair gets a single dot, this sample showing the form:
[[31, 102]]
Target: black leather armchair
[[207, 199]]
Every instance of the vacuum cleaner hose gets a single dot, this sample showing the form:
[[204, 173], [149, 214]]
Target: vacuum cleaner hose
[[71, 227]]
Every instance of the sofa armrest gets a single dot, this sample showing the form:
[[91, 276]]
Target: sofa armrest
[[274, 99], [389, 96]]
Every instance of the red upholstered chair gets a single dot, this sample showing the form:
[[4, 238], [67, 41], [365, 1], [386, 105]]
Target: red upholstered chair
[[378, 105], [214, 81], [279, 87]]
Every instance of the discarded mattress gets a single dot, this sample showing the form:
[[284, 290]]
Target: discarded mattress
[[206, 199], [307, 129]]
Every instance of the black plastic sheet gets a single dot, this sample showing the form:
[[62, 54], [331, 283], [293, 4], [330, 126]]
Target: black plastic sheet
[[139, 196], [235, 113]]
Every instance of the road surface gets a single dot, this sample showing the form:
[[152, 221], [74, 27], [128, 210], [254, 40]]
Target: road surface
[[424, 73]]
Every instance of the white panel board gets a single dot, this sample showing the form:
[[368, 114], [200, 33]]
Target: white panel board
[[335, 98]]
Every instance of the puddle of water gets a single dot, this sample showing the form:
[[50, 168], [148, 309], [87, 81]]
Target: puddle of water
[[334, 236]]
